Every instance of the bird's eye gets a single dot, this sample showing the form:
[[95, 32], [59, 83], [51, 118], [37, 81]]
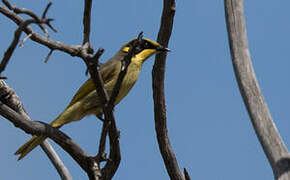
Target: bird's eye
[[146, 45]]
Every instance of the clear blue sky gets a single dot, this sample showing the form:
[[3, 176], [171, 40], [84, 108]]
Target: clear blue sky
[[209, 127]]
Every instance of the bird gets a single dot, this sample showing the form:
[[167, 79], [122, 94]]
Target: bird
[[86, 100]]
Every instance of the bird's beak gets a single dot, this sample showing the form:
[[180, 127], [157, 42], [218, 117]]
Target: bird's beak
[[162, 49]]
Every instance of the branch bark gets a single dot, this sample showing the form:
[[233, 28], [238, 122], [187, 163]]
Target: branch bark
[[39, 128], [260, 116], [9, 97], [55, 160], [8, 53], [158, 74], [111, 166], [53, 45], [87, 21]]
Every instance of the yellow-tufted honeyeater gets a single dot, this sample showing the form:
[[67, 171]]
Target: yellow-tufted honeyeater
[[86, 101]]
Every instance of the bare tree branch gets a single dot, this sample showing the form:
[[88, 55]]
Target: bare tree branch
[[48, 56], [87, 21], [55, 160], [22, 26], [261, 119], [24, 40], [92, 63], [158, 93], [17, 34], [42, 129], [102, 156], [53, 45], [9, 97], [31, 14]]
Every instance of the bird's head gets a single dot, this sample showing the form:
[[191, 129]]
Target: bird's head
[[144, 49]]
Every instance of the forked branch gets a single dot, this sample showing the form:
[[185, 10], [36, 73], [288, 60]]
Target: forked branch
[[23, 25]]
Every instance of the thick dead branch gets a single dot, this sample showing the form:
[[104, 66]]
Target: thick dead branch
[[257, 108], [43, 129], [9, 97], [158, 93], [22, 121]]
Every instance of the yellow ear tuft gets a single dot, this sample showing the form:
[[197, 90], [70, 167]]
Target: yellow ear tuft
[[125, 49]]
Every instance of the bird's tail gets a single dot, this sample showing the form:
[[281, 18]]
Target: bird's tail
[[71, 113], [37, 140], [29, 146], [68, 115]]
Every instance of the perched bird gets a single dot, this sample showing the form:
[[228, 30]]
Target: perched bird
[[86, 101]]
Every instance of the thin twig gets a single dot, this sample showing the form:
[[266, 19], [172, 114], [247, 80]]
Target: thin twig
[[87, 21], [92, 65], [48, 24], [31, 14], [24, 40], [55, 160], [46, 10], [111, 166], [101, 156], [8, 53], [7, 4], [71, 50], [18, 10], [22, 26], [48, 56]]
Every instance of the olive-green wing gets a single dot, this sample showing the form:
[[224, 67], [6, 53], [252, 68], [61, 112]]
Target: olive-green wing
[[107, 70]]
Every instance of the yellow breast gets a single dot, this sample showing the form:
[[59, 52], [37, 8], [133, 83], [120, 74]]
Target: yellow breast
[[129, 80]]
